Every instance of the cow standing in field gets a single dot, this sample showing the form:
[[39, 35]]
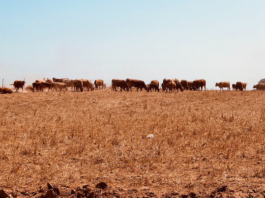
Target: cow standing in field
[[184, 84], [19, 84], [69, 83], [40, 81], [245, 86], [78, 85], [152, 86], [260, 86], [5, 91], [199, 84], [98, 83], [171, 85], [155, 82], [138, 84], [62, 80], [222, 85], [190, 84], [119, 83], [59, 85], [239, 85], [46, 85], [48, 81], [164, 84], [37, 86], [88, 84]]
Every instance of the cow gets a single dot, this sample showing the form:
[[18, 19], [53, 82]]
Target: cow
[[155, 82], [36, 86], [222, 85], [48, 81], [88, 84], [171, 85], [179, 86], [260, 86], [234, 86], [184, 84], [18, 84], [46, 85], [190, 84], [29, 88], [245, 86], [59, 79], [119, 83], [139, 84], [39, 81], [164, 84], [4, 90], [78, 84], [176, 80], [239, 85], [59, 85], [199, 84], [99, 83], [69, 83], [152, 86]]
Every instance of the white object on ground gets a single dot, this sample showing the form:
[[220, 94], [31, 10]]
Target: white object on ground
[[150, 136]]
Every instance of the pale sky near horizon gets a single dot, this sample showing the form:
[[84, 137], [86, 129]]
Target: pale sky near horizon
[[150, 39]]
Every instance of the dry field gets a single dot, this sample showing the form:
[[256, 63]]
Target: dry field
[[203, 140]]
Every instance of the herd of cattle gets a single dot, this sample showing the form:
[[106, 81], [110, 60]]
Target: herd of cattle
[[168, 85]]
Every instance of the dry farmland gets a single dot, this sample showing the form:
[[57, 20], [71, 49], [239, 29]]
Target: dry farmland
[[203, 140]]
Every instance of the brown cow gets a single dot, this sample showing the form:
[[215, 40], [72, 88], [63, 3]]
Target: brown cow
[[190, 84], [19, 84], [152, 86], [179, 86], [155, 82], [69, 83], [139, 84], [88, 84], [4, 90], [99, 83], [119, 83], [184, 84], [199, 84], [222, 85], [239, 85], [39, 81], [245, 86], [260, 86], [171, 85], [36, 86], [46, 85], [164, 84], [59, 79], [48, 81], [59, 85], [78, 84]]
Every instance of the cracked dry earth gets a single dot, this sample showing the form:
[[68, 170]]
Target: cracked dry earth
[[94, 144]]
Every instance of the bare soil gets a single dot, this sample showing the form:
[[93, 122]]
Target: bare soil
[[206, 144]]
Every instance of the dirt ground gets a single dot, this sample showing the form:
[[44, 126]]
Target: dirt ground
[[205, 144]]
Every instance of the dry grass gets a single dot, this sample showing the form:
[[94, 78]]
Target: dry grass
[[202, 139]]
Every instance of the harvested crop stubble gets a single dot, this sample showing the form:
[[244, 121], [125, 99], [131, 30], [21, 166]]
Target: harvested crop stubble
[[202, 140]]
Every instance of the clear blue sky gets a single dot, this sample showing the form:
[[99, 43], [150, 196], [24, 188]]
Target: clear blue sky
[[216, 40]]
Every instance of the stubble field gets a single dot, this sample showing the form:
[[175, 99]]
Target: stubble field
[[203, 141]]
